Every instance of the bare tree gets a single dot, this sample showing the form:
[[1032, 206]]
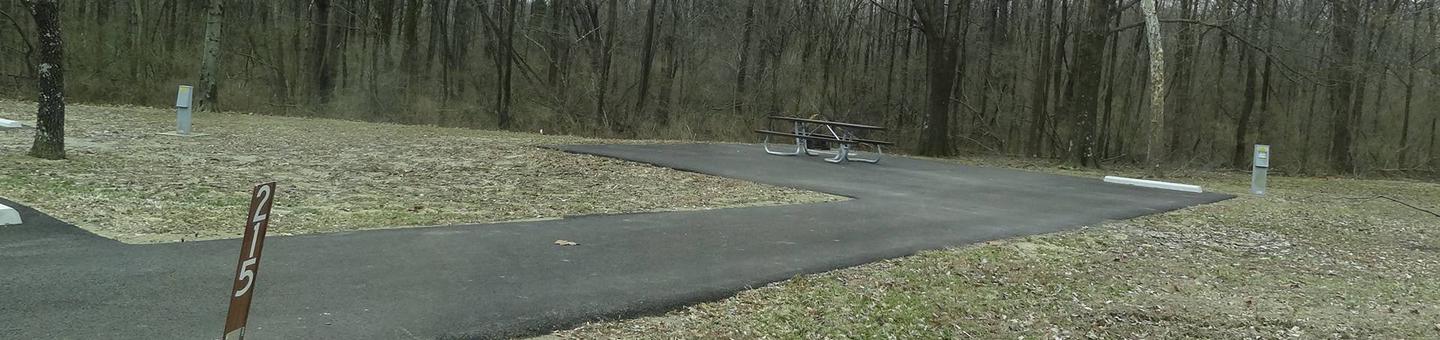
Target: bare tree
[[1247, 108], [133, 46], [941, 22], [587, 27], [1039, 95], [671, 67], [410, 33], [1089, 61], [1249, 71], [507, 68], [210, 58], [50, 126], [647, 58], [1412, 58], [322, 76], [743, 69], [559, 46], [1180, 126], [607, 57], [1155, 140], [1342, 74]]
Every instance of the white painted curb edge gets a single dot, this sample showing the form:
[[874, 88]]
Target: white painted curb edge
[[8, 215], [1152, 184]]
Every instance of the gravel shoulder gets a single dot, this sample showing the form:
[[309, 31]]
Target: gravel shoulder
[[1316, 258], [127, 182]]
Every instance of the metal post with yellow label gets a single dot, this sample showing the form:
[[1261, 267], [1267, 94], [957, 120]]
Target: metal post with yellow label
[[1260, 168], [182, 110], [183, 98]]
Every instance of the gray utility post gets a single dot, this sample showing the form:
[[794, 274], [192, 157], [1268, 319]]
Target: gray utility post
[[1259, 169], [182, 113], [182, 110]]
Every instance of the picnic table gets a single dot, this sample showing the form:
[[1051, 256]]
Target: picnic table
[[805, 130]]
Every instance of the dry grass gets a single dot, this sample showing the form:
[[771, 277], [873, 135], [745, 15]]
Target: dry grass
[[1316, 258], [126, 182]]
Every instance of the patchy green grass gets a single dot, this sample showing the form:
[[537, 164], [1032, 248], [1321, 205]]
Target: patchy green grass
[[125, 181], [1316, 258]]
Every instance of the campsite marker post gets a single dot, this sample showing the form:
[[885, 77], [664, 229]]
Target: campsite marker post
[[1260, 167], [261, 198]]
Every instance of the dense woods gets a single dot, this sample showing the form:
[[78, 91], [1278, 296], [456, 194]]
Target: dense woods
[[1336, 86]]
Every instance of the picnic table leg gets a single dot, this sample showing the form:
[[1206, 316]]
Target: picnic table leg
[[799, 144], [804, 143], [766, 144], [878, 154], [841, 156]]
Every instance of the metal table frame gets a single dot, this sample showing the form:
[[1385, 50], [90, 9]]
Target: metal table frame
[[836, 130]]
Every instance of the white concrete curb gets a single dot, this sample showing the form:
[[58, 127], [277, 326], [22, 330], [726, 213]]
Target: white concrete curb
[[1153, 184], [8, 215]]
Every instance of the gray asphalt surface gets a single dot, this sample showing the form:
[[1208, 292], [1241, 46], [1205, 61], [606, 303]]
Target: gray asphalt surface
[[507, 280]]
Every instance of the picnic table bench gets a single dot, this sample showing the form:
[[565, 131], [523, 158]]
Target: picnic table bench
[[804, 130]]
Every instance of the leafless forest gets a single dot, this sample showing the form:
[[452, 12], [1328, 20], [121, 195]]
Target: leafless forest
[[1336, 86]]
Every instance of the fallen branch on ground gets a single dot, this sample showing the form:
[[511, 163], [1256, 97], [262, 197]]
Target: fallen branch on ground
[[1396, 200]]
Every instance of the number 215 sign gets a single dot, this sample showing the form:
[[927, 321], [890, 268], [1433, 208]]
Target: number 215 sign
[[244, 289]]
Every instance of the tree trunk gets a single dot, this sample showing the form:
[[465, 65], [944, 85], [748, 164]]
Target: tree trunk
[[342, 34], [1130, 128], [983, 124], [210, 59], [1089, 62], [1216, 110], [442, 45], [1247, 108], [1434, 152], [1405, 121], [1409, 91], [772, 46], [1308, 127], [671, 66], [647, 58], [1180, 122], [50, 116], [1378, 34], [587, 25], [411, 37], [385, 10], [559, 46], [172, 11], [133, 32], [1343, 77], [940, 22], [1040, 95], [890, 64], [1060, 86], [1155, 139], [606, 57], [436, 46], [743, 70], [1107, 117], [1263, 123], [322, 75], [505, 64]]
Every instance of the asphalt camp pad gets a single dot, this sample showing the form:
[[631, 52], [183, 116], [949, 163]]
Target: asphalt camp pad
[[501, 280]]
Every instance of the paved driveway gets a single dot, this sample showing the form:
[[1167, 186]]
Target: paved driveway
[[501, 280]]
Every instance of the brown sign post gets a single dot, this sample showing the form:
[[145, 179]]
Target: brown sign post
[[259, 219]]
